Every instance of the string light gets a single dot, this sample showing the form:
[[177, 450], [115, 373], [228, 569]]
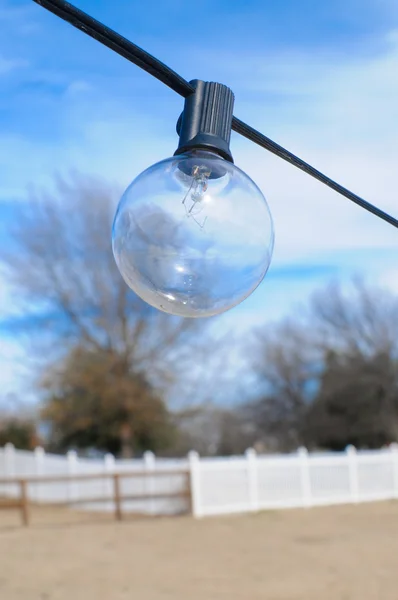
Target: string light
[[193, 235]]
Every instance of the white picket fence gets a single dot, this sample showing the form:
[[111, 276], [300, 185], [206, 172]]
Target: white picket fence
[[218, 485]]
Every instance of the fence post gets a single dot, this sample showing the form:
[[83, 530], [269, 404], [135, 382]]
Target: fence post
[[73, 486], [194, 473], [394, 461], [9, 468], [251, 457], [109, 467], [117, 497], [39, 455], [352, 458], [24, 502], [149, 482], [305, 479]]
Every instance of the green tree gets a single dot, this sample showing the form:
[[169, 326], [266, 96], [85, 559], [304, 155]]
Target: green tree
[[19, 432], [95, 400]]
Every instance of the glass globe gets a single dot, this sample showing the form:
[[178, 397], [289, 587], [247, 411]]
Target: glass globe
[[193, 235]]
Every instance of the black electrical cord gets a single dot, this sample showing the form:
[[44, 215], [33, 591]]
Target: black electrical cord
[[157, 69], [265, 142], [119, 44]]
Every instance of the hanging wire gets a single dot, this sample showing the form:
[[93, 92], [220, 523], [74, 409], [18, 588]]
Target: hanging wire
[[265, 142], [156, 68], [119, 44]]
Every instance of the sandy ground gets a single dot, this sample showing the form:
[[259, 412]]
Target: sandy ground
[[341, 553]]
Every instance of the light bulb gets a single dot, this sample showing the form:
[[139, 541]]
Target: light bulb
[[193, 235]]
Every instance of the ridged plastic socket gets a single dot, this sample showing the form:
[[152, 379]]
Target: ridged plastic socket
[[207, 119]]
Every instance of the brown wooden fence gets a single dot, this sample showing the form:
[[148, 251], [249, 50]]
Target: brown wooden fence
[[23, 502]]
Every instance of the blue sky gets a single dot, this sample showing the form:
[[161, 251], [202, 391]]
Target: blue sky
[[319, 78]]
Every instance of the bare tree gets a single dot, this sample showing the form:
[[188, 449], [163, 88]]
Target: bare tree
[[331, 379], [62, 272], [215, 430], [355, 319], [75, 303], [356, 403], [285, 364]]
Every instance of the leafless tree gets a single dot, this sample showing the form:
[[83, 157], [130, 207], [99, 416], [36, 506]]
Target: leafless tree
[[331, 378], [62, 272], [215, 430], [355, 319], [285, 364], [356, 403]]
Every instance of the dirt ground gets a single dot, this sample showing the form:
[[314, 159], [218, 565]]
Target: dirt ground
[[341, 553]]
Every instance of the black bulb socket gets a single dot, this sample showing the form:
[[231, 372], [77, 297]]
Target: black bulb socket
[[206, 121]]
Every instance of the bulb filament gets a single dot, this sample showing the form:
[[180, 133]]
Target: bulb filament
[[193, 200]]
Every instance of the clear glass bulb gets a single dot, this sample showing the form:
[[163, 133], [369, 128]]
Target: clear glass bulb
[[193, 235]]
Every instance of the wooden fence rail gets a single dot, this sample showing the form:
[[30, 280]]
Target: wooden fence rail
[[23, 502]]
